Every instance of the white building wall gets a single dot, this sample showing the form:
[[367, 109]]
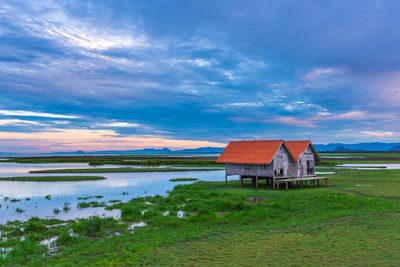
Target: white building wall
[[282, 160]]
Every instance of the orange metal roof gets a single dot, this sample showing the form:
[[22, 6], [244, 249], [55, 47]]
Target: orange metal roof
[[297, 147], [252, 152]]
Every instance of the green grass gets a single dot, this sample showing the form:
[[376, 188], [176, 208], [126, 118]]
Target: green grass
[[340, 225], [158, 162], [183, 179], [354, 161], [366, 154], [52, 178], [121, 160], [111, 170]]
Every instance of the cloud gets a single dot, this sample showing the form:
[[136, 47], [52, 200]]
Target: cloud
[[352, 115], [318, 72], [241, 105], [55, 24], [17, 122], [293, 121], [379, 133], [355, 115], [200, 62], [35, 114], [53, 140], [119, 124], [60, 122]]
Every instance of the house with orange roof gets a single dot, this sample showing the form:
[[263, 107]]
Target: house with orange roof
[[305, 155], [269, 160]]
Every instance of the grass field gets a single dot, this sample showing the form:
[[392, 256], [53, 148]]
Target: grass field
[[111, 170], [353, 222], [123, 160], [52, 178]]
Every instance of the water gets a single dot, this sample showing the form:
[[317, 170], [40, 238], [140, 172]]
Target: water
[[135, 184], [369, 166], [342, 157]]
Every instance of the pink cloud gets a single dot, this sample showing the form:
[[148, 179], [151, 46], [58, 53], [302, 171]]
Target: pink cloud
[[54, 140], [293, 121]]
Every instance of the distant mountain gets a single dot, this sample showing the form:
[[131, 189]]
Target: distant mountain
[[342, 148], [395, 148], [375, 146]]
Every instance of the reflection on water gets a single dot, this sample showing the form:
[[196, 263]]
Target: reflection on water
[[136, 184]]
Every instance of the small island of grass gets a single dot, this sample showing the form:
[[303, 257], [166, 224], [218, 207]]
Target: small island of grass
[[183, 179], [52, 178], [110, 170]]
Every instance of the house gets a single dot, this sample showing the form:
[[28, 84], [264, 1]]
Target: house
[[274, 161], [267, 159], [305, 155]]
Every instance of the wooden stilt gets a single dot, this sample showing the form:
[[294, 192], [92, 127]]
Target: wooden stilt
[[301, 184], [241, 180], [256, 181], [286, 186], [226, 179]]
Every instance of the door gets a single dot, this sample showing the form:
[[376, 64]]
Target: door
[[285, 168]]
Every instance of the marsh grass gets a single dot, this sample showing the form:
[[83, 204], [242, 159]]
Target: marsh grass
[[18, 210], [96, 227], [52, 178], [183, 179], [56, 211], [116, 170]]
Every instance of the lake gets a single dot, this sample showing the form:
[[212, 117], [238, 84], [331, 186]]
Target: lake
[[117, 186]]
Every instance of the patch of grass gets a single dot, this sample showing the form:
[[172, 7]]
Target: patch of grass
[[83, 205], [18, 210], [130, 213], [183, 179], [85, 198], [159, 162], [52, 178], [56, 211], [95, 226], [48, 197], [65, 238], [113, 170], [66, 208], [149, 160]]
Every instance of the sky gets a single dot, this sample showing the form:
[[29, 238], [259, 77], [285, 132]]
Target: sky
[[122, 75]]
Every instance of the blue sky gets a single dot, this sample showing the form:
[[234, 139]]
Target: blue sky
[[96, 75]]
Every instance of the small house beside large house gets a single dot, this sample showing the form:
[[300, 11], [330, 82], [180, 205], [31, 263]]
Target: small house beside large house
[[305, 155], [274, 161]]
